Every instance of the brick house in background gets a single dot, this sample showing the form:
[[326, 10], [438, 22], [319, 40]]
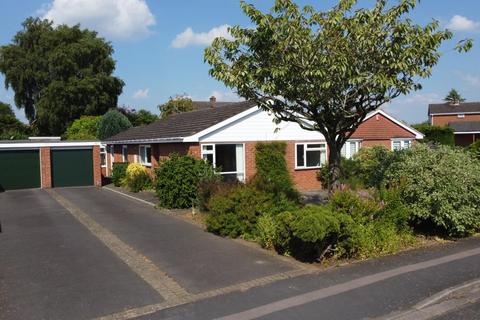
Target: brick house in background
[[225, 133], [463, 118]]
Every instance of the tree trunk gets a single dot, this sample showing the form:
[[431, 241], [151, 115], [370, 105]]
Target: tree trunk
[[334, 159]]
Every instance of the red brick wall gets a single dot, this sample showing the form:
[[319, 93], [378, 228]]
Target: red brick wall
[[464, 140], [45, 168], [97, 168], [370, 143], [304, 179], [444, 120], [379, 127]]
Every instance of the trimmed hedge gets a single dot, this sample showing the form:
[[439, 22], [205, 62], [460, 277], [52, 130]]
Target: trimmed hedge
[[436, 134]]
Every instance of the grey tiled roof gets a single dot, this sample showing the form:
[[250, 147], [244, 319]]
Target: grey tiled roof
[[465, 126], [449, 108], [184, 124]]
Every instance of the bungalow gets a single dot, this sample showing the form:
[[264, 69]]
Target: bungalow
[[463, 118], [225, 133]]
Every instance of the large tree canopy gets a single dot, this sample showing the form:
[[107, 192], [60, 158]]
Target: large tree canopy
[[111, 123], [176, 104], [327, 70], [59, 74], [138, 118]]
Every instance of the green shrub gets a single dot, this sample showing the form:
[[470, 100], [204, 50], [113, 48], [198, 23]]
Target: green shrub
[[84, 128], [112, 123], [178, 179], [441, 187], [119, 171], [474, 149], [137, 178], [373, 163], [436, 134], [210, 187], [246, 203], [272, 175], [349, 174], [266, 228]]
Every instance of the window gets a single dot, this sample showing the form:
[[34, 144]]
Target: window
[[401, 144], [461, 116], [112, 154], [350, 148], [310, 155], [125, 153], [145, 155], [228, 158], [103, 156]]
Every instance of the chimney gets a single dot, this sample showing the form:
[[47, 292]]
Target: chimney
[[213, 101]]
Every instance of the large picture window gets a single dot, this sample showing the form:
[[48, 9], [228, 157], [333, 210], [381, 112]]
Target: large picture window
[[310, 155], [228, 158], [145, 155]]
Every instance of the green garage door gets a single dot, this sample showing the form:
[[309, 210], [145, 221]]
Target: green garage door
[[72, 168], [19, 169]]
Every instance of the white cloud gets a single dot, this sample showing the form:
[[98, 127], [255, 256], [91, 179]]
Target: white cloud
[[412, 108], [114, 19], [422, 99], [141, 94], [226, 96], [472, 80], [461, 23], [189, 37]]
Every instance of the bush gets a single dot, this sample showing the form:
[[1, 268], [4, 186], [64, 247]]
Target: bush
[[207, 188], [272, 174], [266, 227], [84, 128], [243, 204], [178, 180], [474, 149], [137, 177], [112, 123], [119, 171], [436, 134], [349, 174], [441, 187], [373, 163]]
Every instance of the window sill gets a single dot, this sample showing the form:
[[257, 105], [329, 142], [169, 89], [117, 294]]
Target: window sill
[[306, 168], [146, 164]]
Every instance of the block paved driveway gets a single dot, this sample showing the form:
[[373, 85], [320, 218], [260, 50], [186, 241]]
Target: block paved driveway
[[85, 253]]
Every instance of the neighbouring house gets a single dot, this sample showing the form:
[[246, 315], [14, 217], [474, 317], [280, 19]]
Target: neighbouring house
[[46, 162], [225, 133], [463, 118]]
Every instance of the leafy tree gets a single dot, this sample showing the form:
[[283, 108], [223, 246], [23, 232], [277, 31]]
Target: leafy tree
[[176, 104], [138, 118], [84, 128], [10, 127], [112, 122], [59, 74], [327, 70], [454, 97], [436, 134]]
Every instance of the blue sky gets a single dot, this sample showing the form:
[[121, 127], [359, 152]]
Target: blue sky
[[159, 45]]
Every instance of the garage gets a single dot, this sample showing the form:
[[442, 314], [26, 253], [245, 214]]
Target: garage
[[49, 163], [20, 169], [72, 167]]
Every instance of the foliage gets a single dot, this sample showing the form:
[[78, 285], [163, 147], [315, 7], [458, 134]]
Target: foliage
[[207, 188], [112, 123], [138, 118], [441, 187], [174, 105], [373, 163], [119, 173], [454, 97], [84, 128], [235, 212], [137, 178], [10, 127], [349, 174], [272, 174], [267, 231], [436, 134], [474, 149], [59, 73], [327, 68], [178, 180]]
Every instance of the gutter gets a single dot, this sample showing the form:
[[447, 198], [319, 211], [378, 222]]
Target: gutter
[[140, 141]]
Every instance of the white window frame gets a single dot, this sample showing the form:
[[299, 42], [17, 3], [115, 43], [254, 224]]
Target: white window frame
[[145, 146], [461, 115], [305, 148], [213, 152], [103, 151], [348, 150], [402, 144], [125, 148]]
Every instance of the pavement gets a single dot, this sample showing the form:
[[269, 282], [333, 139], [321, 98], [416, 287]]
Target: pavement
[[90, 253]]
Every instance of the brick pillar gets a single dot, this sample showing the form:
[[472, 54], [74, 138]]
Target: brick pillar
[[45, 168], [97, 167]]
